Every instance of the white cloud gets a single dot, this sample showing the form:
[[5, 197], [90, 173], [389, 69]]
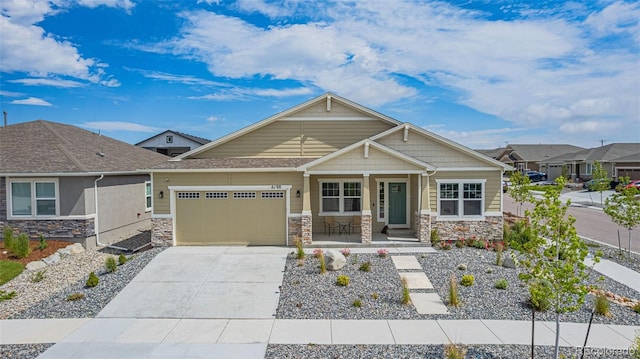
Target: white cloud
[[213, 119], [33, 101], [123, 4], [10, 94], [110, 83], [184, 79], [118, 126], [48, 82], [239, 94]]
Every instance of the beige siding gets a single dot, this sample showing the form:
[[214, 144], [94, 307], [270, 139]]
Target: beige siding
[[492, 190], [355, 161], [429, 151], [162, 181], [313, 138], [320, 110]]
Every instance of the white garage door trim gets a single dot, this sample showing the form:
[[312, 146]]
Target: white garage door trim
[[174, 189]]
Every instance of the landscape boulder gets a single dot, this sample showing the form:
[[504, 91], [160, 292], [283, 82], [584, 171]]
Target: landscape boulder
[[508, 261], [36, 265], [334, 259]]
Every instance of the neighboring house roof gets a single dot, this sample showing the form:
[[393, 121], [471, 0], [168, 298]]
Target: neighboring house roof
[[609, 153], [43, 147], [534, 153], [494, 153], [200, 140]]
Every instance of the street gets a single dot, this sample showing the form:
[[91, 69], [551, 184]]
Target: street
[[590, 223]]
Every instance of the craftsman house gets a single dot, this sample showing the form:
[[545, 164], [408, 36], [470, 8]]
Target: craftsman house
[[327, 167]]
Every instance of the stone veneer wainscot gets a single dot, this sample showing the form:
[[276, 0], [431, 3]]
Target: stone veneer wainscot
[[490, 229], [161, 232]]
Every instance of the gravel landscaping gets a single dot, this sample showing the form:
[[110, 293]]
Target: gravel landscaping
[[629, 260]]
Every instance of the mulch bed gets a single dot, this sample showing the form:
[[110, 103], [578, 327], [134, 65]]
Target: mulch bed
[[36, 254]]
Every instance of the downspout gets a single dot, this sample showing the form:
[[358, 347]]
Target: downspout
[[96, 221]]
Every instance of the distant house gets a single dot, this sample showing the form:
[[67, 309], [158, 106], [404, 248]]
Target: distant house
[[528, 157], [172, 143], [68, 183], [618, 159]]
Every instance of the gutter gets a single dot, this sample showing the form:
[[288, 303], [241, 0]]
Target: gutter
[[97, 222]]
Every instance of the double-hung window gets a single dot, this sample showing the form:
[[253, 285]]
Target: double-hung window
[[463, 198], [147, 196], [33, 198], [338, 197]]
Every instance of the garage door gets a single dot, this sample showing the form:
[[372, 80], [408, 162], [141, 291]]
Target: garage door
[[230, 217], [633, 173]]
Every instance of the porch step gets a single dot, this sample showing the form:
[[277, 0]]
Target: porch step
[[401, 233]]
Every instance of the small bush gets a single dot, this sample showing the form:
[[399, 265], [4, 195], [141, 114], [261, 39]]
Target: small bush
[[365, 267], [488, 270], [601, 305], [354, 259], [382, 252], [502, 284], [375, 296], [445, 245], [323, 264], [345, 252], [459, 243], [636, 308], [454, 351], [467, 280], [8, 237], [434, 236], [110, 264], [357, 303], [405, 299], [92, 281], [20, 246], [342, 280], [499, 248], [122, 259], [299, 248], [540, 292], [317, 252], [38, 277], [454, 299], [462, 266], [6, 295], [43, 243], [479, 244], [75, 296]]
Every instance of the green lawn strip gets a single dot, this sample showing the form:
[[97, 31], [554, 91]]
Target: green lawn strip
[[9, 270]]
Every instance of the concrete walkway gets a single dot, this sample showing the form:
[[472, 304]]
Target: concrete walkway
[[220, 302], [617, 272]]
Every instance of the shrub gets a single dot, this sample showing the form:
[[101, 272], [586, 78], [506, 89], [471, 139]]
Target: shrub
[[405, 299], [323, 264], [460, 243], [375, 296], [75, 296], [365, 267], [92, 281], [434, 236], [43, 243], [454, 351], [636, 346], [345, 251], [478, 244], [636, 308], [38, 277], [502, 284], [454, 299], [517, 234], [499, 247], [601, 305], [540, 294], [382, 252], [317, 252], [342, 280], [110, 264], [8, 237], [462, 266], [122, 259], [20, 246], [299, 248], [488, 270], [357, 303], [354, 259], [469, 241], [445, 245], [467, 280], [6, 295]]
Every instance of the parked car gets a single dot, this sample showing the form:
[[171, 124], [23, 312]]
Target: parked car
[[536, 176], [590, 184], [505, 186], [635, 184]]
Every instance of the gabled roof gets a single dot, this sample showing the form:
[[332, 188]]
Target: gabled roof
[[454, 145], [608, 153], [197, 139], [43, 147], [539, 152], [326, 97], [494, 153], [367, 142]]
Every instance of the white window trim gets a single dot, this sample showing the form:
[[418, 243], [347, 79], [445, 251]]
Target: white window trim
[[341, 196], [148, 208], [32, 182], [461, 183], [588, 168]]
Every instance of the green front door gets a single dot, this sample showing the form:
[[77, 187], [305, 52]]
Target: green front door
[[397, 203]]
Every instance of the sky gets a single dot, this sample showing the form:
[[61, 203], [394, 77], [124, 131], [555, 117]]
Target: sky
[[483, 73]]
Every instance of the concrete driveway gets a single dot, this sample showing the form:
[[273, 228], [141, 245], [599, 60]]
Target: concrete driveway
[[204, 282]]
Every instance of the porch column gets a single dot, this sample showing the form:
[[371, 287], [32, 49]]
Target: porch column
[[423, 222], [307, 218], [366, 218]]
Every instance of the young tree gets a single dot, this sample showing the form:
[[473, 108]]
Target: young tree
[[555, 255], [519, 189], [600, 177], [624, 209]]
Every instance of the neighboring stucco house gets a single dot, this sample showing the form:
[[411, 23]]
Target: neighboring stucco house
[[68, 183], [618, 159], [325, 158], [172, 143], [528, 157]]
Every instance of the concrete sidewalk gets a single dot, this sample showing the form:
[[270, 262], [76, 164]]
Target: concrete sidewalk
[[617, 272], [248, 338]]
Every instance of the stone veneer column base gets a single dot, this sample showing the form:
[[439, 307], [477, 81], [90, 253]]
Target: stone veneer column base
[[161, 232], [306, 227], [366, 229], [490, 229], [423, 227]]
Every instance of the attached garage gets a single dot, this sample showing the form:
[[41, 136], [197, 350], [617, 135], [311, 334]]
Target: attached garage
[[239, 215], [631, 172]]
